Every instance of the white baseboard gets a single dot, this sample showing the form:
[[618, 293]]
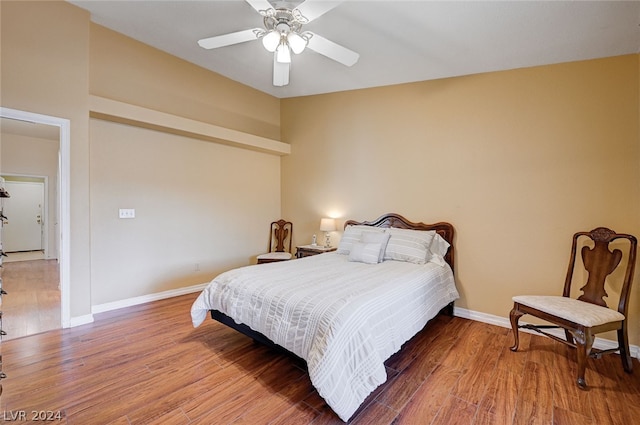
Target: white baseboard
[[78, 321], [599, 343], [101, 308]]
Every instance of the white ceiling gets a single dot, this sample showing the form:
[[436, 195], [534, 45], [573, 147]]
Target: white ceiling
[[398, 41]]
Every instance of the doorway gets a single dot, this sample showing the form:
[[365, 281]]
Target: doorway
[[61, 230]]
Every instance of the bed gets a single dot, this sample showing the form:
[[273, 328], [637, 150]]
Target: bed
[[346, 312]]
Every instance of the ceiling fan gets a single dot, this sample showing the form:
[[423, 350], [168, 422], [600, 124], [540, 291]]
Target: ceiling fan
[[283, 33]]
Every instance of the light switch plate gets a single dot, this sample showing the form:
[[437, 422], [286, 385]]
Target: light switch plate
[[127, 213]]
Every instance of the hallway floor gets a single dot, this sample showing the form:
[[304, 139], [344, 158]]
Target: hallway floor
[[32, 303]]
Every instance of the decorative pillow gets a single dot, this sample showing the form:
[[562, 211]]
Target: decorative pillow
[[409, 245], [439, 247], [353, 234], [381, 238], [365, 252]]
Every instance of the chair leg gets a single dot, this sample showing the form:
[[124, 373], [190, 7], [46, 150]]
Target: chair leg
[[584, 342], [569, 337], [515, 316], [623, 343]]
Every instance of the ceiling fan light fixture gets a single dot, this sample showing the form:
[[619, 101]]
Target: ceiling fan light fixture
[[283, 33], [271, 40], [296, 42], [283, 55]]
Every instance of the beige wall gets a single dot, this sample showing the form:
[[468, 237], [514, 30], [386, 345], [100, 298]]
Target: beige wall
[[518, 161], [45, 69], [128, 71], [201, 208], [53, 58]]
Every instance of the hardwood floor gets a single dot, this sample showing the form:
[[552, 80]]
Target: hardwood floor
[[147, 365], [33, 301]]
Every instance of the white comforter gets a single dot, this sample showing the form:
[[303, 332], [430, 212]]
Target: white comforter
[[344, 318]]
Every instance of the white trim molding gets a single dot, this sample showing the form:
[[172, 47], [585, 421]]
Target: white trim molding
[[80, 320], [490, 319], [112, 110], [101, 308], [600, 343], [64, 219]]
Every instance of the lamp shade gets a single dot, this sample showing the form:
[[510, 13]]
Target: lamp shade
[[327, 224], [271, 40], [296, 42]]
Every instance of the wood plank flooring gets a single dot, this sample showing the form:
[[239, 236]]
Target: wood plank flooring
[[33, 301], [148, 365]]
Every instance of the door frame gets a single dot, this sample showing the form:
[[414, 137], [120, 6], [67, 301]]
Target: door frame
[[44, 237], [64, 205]]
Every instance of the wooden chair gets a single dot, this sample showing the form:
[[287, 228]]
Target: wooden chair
[[587, 315], [279, 243]]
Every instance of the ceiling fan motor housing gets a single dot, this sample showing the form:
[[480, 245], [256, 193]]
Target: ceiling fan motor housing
[[283, 20]]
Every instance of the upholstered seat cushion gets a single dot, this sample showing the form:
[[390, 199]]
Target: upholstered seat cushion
[[576, 311], [275, 256]]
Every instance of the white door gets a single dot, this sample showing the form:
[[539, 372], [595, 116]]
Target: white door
[[22, 229]]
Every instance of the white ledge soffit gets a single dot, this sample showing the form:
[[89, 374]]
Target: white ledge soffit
[[112, 110]]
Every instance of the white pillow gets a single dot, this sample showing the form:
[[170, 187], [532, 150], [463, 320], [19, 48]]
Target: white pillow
[[381, 238], [365, 252], [353, 234], [439, 247], [409, 245]]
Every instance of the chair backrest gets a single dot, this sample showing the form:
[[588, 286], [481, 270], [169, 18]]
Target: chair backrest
[[600, 262], [280, 236]]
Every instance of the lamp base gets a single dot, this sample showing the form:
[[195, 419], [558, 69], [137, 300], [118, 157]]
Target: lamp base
[[327, 240]]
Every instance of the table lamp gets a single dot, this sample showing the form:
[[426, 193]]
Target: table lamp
[[327, 225]]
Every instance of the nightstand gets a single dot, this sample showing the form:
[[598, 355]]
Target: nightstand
[[308, 250]]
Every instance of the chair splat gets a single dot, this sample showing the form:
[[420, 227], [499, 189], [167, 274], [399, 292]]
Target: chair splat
[[600, 263]]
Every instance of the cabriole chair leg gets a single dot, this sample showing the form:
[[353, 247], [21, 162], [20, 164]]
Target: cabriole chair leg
[[584, 342], [515, 316]]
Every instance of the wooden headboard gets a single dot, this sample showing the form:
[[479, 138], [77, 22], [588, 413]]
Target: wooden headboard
[[396, 220]]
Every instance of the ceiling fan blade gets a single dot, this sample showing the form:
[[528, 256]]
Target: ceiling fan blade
[[280, 73], [228, 39], [313, 9], [259, 5], [332, 50]]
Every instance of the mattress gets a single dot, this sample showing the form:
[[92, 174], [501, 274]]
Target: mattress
[[344, 318]]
